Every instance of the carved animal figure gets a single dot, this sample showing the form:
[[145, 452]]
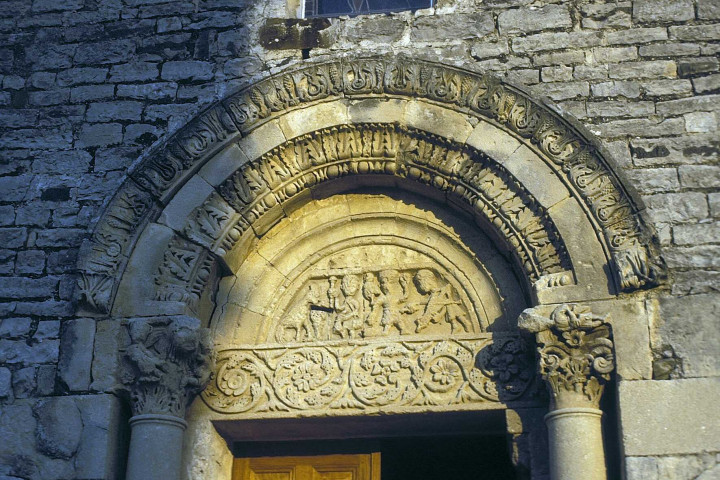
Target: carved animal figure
[[299, 324]]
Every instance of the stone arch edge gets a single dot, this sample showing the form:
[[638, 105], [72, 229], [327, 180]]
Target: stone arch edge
[[156, 178]]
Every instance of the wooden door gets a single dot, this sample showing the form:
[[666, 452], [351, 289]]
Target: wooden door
[[326, 467]]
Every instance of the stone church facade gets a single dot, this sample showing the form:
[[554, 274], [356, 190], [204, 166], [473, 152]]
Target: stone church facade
[[224, 225]]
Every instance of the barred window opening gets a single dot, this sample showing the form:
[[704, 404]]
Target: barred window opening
[[333, 8]]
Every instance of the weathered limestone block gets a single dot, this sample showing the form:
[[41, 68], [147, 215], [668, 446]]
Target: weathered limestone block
[[452, 27], [208, 452], [100, 452], [46, 379], [534, 19], [14, 327], [641, 468], [76, 351], [5, 382], [528, 442], [17, 429], [59, 427], [652, 11], [60, 438], [24, 382], [105, 355], [670, 417], [689, 324], [379, 29], [18, 351]]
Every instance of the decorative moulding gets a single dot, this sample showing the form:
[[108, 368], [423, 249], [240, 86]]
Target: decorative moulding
[[570, 153]]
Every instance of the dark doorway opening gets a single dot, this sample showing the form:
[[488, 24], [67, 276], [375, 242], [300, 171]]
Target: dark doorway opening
[[463, 457]]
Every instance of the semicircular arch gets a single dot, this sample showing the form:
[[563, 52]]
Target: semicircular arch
[[458, 133]]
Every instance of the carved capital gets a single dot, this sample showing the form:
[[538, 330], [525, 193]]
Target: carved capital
[[167, 362], [576, 352]]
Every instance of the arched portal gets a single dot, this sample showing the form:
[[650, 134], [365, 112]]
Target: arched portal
[[346, 214]]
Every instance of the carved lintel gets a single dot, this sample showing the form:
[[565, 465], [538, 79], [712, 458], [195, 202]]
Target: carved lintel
[[576, 353], [329, 378], [169, 360]]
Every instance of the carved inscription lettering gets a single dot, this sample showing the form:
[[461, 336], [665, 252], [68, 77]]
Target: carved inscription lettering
[[312, 159], [465, 174]]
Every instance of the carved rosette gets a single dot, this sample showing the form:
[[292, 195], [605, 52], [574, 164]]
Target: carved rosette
[[575, 353], [338, 378], [167, 363]]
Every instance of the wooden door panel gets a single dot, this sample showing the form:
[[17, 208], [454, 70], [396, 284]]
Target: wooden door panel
[[244, 469], [326, 467], [339, 475], [272, 476]]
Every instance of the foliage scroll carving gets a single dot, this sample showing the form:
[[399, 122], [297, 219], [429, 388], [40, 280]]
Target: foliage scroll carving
[[335, 378], [572, 156]]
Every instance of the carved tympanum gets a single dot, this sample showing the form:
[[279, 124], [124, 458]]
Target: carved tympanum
[[576, 352], [335, 378], [362, 303], [167, 362]]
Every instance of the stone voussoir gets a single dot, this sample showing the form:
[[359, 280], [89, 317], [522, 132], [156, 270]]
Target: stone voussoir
[[163, 172]]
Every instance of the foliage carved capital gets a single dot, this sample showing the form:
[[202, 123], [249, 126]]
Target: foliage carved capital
[[575, 353], [167, 363]]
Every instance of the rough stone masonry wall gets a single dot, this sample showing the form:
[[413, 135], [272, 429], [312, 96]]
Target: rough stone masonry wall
[[89, 85]]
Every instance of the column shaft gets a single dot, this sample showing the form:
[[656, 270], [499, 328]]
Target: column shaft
[[576, 358], [575, 444], [155, 447], [167, 362]]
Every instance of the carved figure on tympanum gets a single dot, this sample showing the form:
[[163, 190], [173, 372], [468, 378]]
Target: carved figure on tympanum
[[374, 302]]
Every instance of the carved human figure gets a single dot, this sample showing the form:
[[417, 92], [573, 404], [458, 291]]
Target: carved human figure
[[149, 365], [317, 314], [373, 295], [441, 305], [334, 293], [392, 300], [348, 321], [195, 344]]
